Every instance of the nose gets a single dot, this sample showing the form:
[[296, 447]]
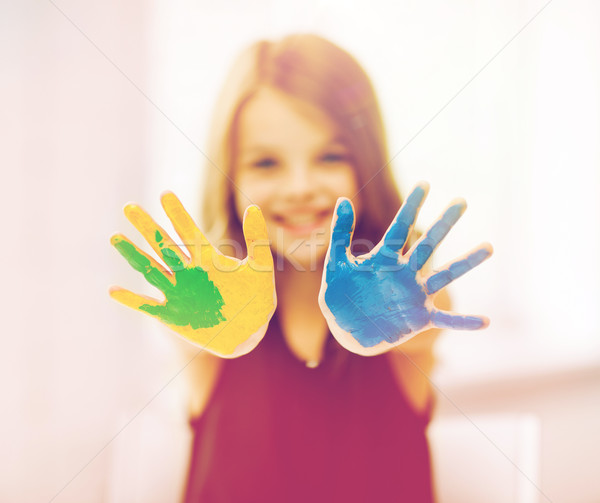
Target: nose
[[299, 184]]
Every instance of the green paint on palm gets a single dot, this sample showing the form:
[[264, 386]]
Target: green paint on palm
[[193, 300]]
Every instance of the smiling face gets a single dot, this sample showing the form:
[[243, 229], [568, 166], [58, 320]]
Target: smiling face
[[290, 161]]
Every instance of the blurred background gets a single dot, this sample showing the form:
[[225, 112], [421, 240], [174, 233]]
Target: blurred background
[[108, 102]]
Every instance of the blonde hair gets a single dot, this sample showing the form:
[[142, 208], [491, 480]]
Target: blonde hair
[[312, 69]]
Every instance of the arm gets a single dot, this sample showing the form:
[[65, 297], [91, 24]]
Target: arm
[[201, 371], [413, 362]]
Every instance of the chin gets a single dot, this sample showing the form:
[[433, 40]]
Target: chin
[[305, 255], [304, 252]]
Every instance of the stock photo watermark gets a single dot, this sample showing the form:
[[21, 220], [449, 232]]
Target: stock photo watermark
[[221, 254]]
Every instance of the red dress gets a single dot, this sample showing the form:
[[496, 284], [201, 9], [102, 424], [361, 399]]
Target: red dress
[[277, 431]]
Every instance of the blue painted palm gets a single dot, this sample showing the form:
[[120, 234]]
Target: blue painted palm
[[379, 300]]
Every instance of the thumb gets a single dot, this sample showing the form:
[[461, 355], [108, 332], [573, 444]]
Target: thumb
[[257, 239], [342, 228]]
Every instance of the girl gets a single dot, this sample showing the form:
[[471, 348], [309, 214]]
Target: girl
[[300, 418]]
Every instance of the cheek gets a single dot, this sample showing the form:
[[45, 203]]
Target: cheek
[[249, 190], [345, 184], [350, 186], [345, 181]]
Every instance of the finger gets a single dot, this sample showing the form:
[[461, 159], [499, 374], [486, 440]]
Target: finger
[[342, 228], [426, 245], [152, 270], [131, 299], [444, 319], [458, 267], [156, 236], [257, 238], [198, 246], [398, 232]]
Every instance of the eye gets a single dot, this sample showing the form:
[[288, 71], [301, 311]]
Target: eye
[[332, 157], [265, 162]]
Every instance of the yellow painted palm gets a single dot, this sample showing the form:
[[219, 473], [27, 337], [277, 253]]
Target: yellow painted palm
[[219, 303]]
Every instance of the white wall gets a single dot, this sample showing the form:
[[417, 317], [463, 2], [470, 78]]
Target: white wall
[[79, 139], [74, 135], [534, 437]]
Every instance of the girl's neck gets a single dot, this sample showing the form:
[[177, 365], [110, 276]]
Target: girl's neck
[[304, 327], [304, 283]]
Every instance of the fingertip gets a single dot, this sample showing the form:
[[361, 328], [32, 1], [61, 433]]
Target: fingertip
[[459, 202], [422, 188], [481, 253], [253, 215], [130, 207], [115, 239], [344, 212], [122, 244], [485, 322], [132, 211], [167, 198], [252, 211], [127, 298], [254, 225], [116, 293], [455, 210], [342, 204]]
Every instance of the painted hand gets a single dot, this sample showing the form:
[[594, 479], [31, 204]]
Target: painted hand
[[381, 299], [217, 302]]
